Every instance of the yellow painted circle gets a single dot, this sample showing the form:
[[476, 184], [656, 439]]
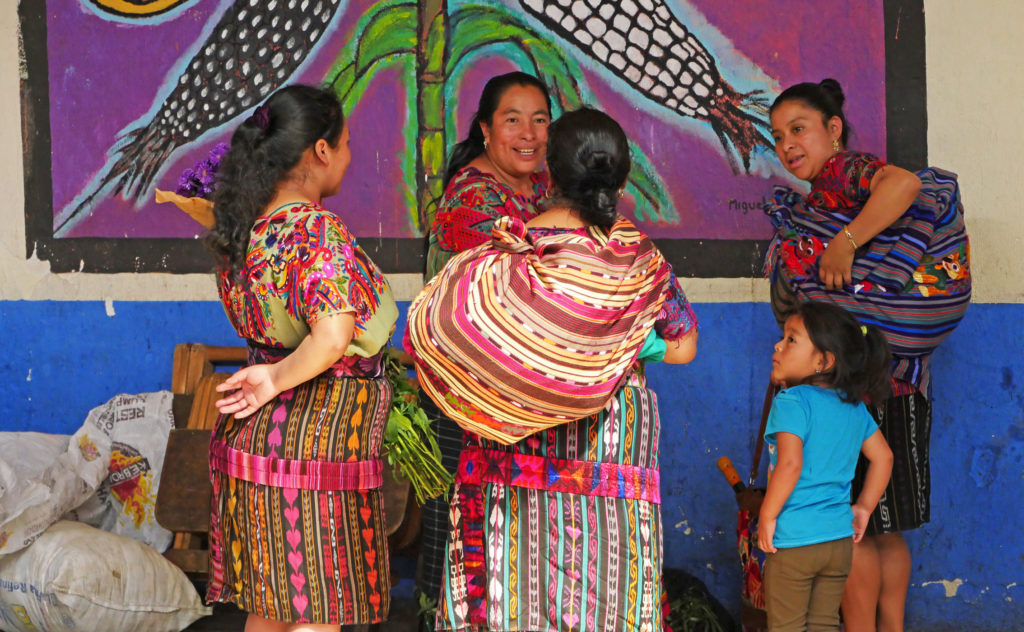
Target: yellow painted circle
[[136, 9]]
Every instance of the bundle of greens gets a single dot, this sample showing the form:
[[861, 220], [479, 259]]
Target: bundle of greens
[[409, 441]]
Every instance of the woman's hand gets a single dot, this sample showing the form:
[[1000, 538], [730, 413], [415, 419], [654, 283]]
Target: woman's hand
[[252, 387], [835, 267], [893, 190]]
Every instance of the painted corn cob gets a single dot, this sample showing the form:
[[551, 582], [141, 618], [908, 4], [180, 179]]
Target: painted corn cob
[[254, 48], [643, 43]]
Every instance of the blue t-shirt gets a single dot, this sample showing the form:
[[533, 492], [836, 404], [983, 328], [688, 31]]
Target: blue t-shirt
[[832, 432]]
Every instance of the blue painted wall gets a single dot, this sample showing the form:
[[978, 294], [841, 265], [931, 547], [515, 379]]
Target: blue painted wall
[[63, 358]]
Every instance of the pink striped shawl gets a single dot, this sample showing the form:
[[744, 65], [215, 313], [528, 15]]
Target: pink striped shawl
[[518, 335]]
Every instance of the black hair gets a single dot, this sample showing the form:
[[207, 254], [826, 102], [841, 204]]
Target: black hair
[[860, 370], [826, 97], [464, 152], [264, 149], [588, 159]]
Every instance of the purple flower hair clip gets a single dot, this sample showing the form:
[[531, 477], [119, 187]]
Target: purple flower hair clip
[[261, 117]]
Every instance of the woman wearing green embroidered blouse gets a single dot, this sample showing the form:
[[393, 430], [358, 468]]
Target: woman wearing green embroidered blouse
[[297, 533]]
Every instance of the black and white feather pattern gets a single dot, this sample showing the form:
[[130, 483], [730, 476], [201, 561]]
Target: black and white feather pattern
[[642, 42], [254, 48]]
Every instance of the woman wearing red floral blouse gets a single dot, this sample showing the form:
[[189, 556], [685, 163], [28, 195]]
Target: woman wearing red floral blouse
[[496, 171]]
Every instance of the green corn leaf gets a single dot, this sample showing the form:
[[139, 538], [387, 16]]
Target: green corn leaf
[[384, 35]]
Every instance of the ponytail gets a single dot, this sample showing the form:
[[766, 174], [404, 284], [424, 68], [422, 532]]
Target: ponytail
[[264, 150], [466, 151], [877, 384], [588, 158]]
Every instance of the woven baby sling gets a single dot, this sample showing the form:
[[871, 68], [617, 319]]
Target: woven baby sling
[[522, 334]]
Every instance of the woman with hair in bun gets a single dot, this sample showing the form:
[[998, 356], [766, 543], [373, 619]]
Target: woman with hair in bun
[[496, 171], [535, 343], [889, 246], [297, 533]]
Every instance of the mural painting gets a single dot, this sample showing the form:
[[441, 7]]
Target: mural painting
[[119, 98]]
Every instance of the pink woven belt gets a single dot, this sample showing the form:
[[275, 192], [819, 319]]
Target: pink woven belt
[[588, 478], [294, 473]]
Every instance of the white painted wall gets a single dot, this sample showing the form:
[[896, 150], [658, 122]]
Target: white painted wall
[[975, 92], [975, 105]]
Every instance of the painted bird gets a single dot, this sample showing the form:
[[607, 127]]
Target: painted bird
[[642, 42], [254, 48]]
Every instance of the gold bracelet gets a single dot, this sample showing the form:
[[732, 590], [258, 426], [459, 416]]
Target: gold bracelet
[[850, 237]]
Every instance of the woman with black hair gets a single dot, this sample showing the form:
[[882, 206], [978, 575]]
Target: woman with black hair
[[496, 171], [297, 534], [890, 247], [535, 343]]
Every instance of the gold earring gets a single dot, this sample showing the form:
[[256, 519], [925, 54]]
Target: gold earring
[[485, 143], [835, 145]]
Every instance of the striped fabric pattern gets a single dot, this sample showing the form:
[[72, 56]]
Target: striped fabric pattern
[[434, 535], [521, 334], [296, 473], [527, 559], [912, 281], [303, 554]]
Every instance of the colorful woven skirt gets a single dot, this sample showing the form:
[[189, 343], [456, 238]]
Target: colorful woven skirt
[[297, 532], [561, 531], [906, 423]]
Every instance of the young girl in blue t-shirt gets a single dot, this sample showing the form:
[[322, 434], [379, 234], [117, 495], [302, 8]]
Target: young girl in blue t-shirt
[[827, 364]]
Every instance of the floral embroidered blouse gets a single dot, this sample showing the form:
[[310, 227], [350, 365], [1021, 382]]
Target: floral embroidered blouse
[[845, 181], [472, 202], [303, 264]]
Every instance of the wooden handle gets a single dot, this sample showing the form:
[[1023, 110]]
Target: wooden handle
[[731, 475]]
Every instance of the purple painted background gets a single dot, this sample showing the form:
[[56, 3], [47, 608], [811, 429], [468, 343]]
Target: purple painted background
[[105, 75]]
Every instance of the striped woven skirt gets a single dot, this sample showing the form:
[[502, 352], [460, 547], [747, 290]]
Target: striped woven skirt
[[906, 422], [297, 532], [561, 531]]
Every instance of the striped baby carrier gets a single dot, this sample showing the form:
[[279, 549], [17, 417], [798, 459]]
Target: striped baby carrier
[[521, 334]]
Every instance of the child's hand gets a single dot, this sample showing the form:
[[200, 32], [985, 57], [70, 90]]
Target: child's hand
[[835, 267], [765, 535], [252, 387], [861, 515]]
